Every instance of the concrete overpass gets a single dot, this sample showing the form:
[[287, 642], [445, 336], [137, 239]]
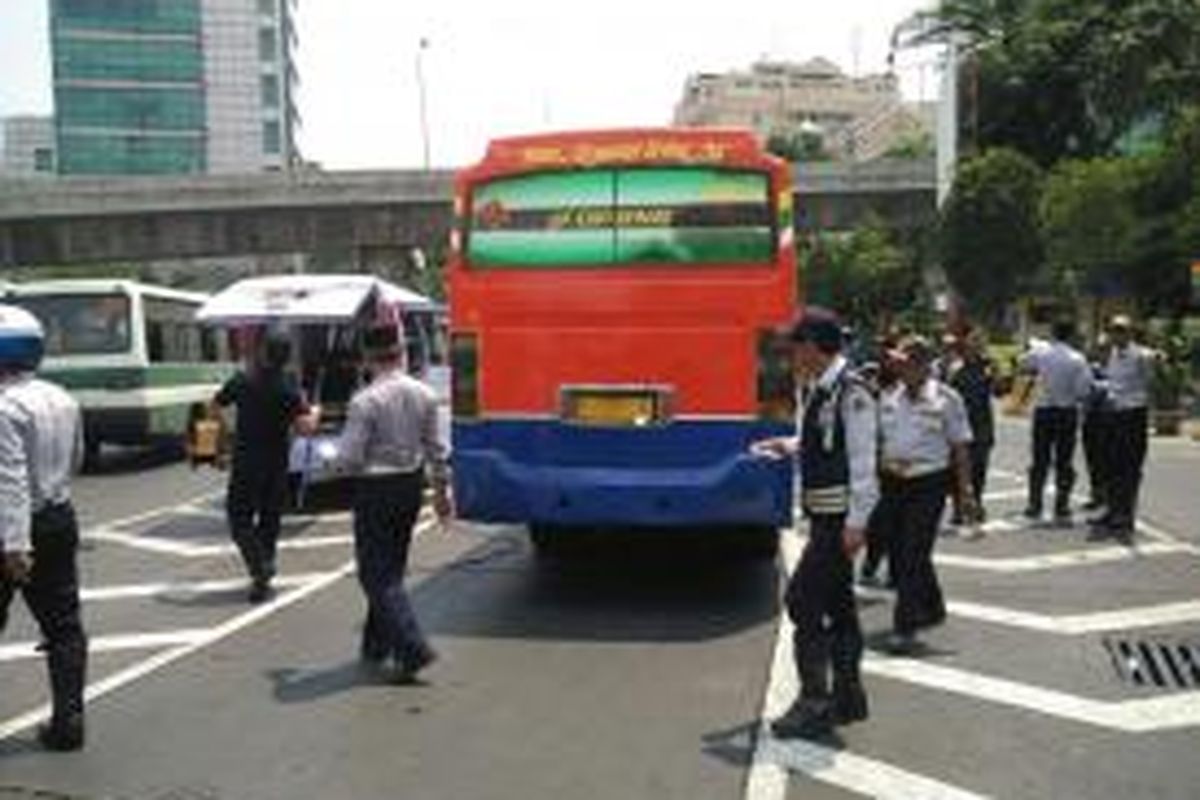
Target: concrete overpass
[[80, 220]]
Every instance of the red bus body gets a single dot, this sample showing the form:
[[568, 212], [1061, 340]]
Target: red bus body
[[669, 356]]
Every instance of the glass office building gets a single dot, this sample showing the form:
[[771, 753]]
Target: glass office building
[[173, 86]]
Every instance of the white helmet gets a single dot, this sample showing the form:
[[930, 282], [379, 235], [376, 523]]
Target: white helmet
[[22, 340]]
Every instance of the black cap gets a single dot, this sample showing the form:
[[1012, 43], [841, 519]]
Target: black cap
[[819, 326], [383, 342]]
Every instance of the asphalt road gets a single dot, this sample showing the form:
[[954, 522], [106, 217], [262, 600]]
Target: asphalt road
[[639, 670]]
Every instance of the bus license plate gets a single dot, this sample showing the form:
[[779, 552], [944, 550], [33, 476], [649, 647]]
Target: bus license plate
[[613, 409]]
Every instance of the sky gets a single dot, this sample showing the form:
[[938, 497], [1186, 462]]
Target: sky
[[493, 69]]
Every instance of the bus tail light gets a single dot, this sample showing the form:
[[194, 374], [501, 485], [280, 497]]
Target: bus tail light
[[464, 379], [776, 386]]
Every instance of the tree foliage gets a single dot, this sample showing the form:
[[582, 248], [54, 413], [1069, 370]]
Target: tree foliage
[[1090, 225], [988, 230], [865, 274], [1068, 78]]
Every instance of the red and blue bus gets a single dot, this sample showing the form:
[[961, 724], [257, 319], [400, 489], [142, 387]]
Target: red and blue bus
[[615, 304]]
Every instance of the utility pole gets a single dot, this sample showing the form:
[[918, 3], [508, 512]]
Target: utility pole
[[421, 48]]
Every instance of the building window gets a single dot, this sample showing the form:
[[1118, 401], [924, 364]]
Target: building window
[[270, 91], [266, 7], [271, 137], [268, 44], [43, 159]]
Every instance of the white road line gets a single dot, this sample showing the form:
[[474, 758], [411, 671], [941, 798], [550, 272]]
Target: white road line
[[128, 675], [211, 636], [158, 511], [856, 773], [1179, 710], [767, 778], [19, 651], [1070, 558], [1008, 474], [186, 588], [1067, 624], [157, 544]]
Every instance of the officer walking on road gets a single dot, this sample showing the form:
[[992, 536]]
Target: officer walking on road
[[391, 441], [835, 448], [1065, 381], [1128, 371], [925, 435], [268, 405], [41, 445], [970, 373]]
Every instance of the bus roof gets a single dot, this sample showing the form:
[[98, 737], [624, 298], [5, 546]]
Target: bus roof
[[624, 146], [301, 299], [74, 286]]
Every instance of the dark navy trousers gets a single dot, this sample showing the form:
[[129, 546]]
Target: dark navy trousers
[[385, 510]]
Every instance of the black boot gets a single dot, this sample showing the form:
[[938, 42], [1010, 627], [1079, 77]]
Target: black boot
[[67, 663], [849, 703], [849, 699], [62, 735], [811, 715]]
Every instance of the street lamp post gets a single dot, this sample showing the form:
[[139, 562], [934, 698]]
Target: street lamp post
[[424, 44]]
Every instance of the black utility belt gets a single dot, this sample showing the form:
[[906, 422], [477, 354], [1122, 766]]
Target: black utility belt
[[895, 481]]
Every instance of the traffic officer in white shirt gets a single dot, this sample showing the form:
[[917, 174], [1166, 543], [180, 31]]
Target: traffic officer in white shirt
[[924, 440], [835, 448], [41, 445], [1128, 372], [1064, 381], [391, 441]]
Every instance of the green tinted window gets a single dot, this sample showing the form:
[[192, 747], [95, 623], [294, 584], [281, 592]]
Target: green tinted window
[[629, 216], [84, 154], [127, 60], [131, 109], [148, 16]]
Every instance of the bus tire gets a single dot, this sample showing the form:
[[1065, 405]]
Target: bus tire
[[91, 453], [758, 541], [547, 540]]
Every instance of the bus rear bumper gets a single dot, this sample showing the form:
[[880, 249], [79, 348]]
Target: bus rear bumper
[[490, 487]]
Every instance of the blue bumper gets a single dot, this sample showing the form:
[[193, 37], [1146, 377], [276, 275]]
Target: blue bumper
[[683, 474]]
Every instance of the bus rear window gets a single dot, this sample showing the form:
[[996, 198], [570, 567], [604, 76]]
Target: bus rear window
[[622, 216], [81, 324]]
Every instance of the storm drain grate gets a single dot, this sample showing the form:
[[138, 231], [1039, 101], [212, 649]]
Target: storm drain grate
[[1156, 663]]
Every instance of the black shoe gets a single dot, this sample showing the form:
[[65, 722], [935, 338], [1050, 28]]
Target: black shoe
[[849, 704], [808, 718], [62, 737], [408, 665], [260, 590], [902, 644], [1062, 519], [1122, 532], [1032, 513]]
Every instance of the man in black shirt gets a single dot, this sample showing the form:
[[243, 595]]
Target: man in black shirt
[[268, 405]]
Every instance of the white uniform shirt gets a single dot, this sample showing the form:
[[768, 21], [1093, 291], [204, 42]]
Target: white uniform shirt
[[1128, 371], [1064, 377], [41, 445], [917, 433], [860, 421], [392, 427]]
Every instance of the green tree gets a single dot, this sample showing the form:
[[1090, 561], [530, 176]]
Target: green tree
[[868, 276], [1089, 224], [988, 233], [799, 146], [1068, 78]]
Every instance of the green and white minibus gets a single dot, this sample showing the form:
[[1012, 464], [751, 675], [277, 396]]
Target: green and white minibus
[[131, 353]]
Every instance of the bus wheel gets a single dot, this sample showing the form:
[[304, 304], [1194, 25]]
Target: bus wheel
[[548, 540], [758, 541], [91, 453]]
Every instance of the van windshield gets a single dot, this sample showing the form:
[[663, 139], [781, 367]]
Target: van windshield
[[81, 324]]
